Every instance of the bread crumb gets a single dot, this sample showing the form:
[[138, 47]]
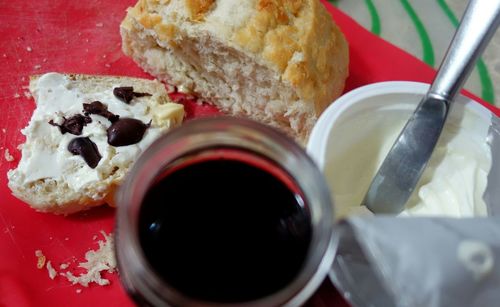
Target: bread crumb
[[78, 291], [51, 270], [40, 263], [104, 56], [37, 66], [4, 55], [94, 237], [16, 95], [27, 94], [99, 24], [44, 60], [64, 266], [170, 88], [107, 65], [4, 130], [66, 239], [97, 261], [8, 157], [20, 147], [184, 89], [29, 49]]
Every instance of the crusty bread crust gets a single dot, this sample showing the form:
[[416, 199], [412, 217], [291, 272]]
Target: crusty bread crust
[[290, 52], [55, 196]]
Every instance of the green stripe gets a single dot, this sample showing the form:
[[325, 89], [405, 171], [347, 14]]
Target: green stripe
[[375, 27], [375, 17], [487, 92], [448, 12], [428, 52]]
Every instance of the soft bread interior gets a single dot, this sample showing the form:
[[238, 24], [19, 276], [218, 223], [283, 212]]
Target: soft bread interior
[[223, 75]]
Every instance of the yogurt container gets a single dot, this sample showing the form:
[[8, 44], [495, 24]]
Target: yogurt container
[[353, 136], [417, 257]]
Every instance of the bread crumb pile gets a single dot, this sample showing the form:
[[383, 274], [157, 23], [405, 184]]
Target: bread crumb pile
[[97, 262]]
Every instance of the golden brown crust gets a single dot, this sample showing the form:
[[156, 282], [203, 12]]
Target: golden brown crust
[[198, 8], [280, 9], [309, 32], [296, 38]]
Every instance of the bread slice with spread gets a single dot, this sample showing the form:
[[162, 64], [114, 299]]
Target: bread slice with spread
[[281, 62], [83, 137]]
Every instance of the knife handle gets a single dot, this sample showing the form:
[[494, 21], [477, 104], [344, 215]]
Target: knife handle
[[479, 23]]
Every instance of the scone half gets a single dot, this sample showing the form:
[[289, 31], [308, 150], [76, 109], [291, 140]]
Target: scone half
[[56, 173], [280, 62]]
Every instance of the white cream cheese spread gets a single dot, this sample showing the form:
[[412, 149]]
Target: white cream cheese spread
[[452, 184], [45, 155]]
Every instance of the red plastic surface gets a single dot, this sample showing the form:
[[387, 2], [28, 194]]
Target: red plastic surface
[[83, 37]]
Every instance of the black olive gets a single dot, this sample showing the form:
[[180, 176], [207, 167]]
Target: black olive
[[126, 131], [73, 125], [84, 147], [99, 108], [126, 93]]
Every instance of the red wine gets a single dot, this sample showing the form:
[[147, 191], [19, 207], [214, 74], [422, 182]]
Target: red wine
[[223, 230]]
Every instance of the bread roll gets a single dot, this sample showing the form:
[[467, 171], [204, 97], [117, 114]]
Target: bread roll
[[280, 62], [50, 177]]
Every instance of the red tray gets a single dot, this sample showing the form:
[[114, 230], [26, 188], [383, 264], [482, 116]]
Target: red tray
[[83, 37]]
